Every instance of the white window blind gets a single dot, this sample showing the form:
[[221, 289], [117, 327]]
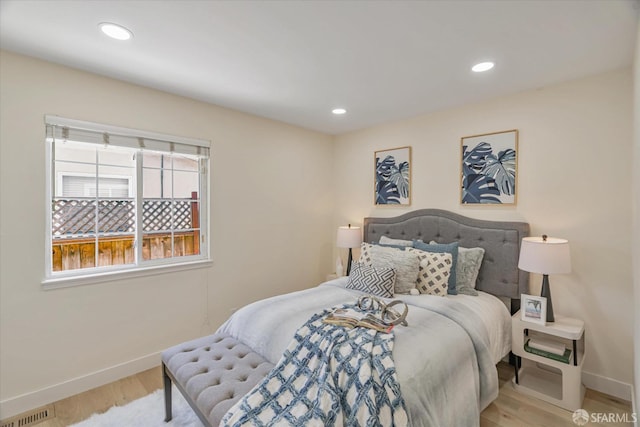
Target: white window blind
[[62, 129]]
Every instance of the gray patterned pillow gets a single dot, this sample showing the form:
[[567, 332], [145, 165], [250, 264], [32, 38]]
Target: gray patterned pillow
[[469, 262], [406, 264], [375, 281]]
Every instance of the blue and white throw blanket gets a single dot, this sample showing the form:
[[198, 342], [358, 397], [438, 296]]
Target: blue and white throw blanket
[[329, 375]]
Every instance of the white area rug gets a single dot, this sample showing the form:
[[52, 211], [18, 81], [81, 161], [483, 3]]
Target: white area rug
[[147, 411]]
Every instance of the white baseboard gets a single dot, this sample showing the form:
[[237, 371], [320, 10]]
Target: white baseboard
[[19, 404], [608, 386]]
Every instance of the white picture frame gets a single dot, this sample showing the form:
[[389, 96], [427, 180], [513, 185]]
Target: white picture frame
[[533, 309]]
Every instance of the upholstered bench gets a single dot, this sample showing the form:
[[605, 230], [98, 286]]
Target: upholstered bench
[[212, 373]]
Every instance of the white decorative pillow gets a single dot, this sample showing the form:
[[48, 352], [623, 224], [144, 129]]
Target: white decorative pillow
[[405, 263], [434, 272], [375, 281], [384, 240]]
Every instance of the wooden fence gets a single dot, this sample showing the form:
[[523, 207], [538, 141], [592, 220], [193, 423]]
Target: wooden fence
[[71, 254], [74, 217]]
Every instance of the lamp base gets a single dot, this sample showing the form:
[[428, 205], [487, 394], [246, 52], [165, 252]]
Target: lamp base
[[546, 292], [349, 262]]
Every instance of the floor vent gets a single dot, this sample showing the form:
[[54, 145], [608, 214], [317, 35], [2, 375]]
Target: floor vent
[[30, 418]]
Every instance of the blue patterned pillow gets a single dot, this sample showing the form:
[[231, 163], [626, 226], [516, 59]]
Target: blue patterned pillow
[[451, 248], [376, 281]]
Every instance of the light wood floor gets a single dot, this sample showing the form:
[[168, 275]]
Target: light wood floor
[[511, 409], [514, 409]]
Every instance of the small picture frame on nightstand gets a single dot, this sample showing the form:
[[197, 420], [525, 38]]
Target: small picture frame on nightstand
[[533, 309]]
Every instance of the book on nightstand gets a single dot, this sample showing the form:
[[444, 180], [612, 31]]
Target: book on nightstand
[[551, 346], [564, 358]]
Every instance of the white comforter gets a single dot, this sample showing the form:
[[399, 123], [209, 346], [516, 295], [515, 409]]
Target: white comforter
[[445, 359]]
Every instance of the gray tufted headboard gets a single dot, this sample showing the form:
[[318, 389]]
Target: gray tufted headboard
[[499, 274]]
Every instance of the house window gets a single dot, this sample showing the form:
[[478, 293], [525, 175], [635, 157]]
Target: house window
[[123, 199], [87, 186]]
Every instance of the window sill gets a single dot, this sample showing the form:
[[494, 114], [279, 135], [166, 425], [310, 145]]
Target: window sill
[[89, 279]]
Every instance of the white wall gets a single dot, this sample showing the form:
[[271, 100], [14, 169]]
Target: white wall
[[271, 233], [574, 181]]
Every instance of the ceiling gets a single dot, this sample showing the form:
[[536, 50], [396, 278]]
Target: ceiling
[[294, 61]]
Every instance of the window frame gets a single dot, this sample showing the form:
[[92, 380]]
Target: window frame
[[140, 267]]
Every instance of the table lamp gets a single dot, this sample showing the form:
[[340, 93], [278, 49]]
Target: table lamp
[[349, 237], [545, 255]]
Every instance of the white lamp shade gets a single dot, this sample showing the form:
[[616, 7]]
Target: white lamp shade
[[550, 256], [349, 237]]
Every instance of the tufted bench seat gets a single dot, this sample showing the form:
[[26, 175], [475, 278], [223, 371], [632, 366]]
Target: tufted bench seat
[[212, 373]]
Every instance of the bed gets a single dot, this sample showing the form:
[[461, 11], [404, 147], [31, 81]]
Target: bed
[[444, 359]]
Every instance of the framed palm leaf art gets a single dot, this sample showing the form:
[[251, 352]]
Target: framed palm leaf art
[[489, 168], [392, 180]]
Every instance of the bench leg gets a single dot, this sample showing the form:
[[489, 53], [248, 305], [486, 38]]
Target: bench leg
[[167, 394]]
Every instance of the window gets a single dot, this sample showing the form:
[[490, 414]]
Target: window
[[87, 186], [123, 200]]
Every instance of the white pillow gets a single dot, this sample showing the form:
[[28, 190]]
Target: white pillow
[[405, 263], [434, 272]]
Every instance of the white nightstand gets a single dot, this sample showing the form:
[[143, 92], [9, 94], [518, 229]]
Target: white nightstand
[[553, 381]]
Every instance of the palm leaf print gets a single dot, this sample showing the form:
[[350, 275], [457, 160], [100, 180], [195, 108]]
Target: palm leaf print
[[400, 177], [503, 170], [477, 188], [392, 181], [387, 193], [475, 159]]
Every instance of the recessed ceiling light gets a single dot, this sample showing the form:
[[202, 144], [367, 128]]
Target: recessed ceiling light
[[115, 31], [338, 111], [483, 66]]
